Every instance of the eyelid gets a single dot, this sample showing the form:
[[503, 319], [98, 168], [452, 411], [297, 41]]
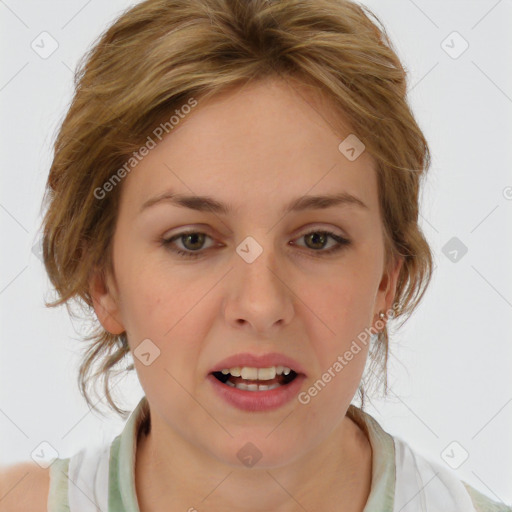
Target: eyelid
[[319, 227]]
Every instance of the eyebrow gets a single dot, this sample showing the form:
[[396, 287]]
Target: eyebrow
[[208, 204]]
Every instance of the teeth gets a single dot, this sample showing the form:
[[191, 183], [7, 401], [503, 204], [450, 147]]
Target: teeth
[[250, 373], [235, 372], [266, 373], [252, 387]]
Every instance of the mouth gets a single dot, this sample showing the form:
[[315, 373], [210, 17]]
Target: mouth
[[256, 379], [257, 382]]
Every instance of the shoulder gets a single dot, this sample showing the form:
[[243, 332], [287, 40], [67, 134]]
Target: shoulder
[[24, 486], [413, 474], [484, 504], [414, 471]]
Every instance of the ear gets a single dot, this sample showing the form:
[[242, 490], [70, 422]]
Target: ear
[[105, 301], [387, 287]]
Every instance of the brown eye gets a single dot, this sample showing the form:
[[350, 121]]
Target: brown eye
[[317, 240], [192, 242]]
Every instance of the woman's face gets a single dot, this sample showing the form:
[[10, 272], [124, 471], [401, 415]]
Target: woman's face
[[256, 282]]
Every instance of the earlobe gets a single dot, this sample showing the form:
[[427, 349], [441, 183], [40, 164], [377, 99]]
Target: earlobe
[[390, 281], [387, 292], [105, 303]]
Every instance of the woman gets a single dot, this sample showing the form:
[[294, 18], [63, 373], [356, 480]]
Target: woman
[[235, 193]]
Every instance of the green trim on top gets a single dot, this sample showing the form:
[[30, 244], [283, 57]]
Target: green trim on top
[[123, 453], [123, 449], [482, 503], [382, 493], [115, 501], [122, 490], [58, 492]]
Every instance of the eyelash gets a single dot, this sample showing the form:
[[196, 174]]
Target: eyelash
[[341, 243]]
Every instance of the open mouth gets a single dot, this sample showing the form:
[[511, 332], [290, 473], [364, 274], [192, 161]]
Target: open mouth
[[258, 384]]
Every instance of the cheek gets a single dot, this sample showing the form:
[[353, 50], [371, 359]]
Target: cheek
[[167, 308], [341, 346], [170, 317], [343, 302], [340, 316], [155, 307], [151, 293]]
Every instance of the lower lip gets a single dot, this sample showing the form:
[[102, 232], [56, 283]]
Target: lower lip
[[257, 400]]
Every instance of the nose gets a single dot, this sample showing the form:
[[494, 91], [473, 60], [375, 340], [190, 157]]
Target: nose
[[260, 296]]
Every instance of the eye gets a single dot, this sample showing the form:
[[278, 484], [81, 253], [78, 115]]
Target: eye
[[193, 242], [316, 240]]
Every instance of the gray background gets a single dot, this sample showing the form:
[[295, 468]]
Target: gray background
[[450, 364]]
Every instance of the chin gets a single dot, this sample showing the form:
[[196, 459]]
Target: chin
[[257, 452]]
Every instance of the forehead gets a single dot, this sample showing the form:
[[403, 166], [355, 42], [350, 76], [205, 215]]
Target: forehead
[[271, 140]]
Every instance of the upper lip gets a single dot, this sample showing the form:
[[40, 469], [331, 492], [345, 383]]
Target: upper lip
[[258, 361]]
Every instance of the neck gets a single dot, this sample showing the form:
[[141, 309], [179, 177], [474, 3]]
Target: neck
[[334, 475]]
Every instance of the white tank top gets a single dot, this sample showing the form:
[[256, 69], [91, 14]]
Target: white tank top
[[98, 478]]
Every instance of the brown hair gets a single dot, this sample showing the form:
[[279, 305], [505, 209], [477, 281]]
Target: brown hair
[[161, 53]]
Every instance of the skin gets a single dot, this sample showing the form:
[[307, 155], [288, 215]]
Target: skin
[[255, 147]]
